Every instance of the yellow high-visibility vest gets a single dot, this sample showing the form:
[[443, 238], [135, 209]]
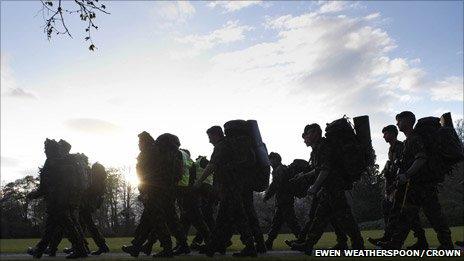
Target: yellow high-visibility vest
[[187, 164]]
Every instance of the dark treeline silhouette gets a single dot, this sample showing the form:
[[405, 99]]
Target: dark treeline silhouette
[[121, 209]]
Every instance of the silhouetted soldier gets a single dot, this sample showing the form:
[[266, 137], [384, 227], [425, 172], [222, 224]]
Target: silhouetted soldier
[[159, 165], [284, 198], [394, 195], [421, 188], [230, 184], [189, 199], [93, 199], [330, 186], [61, 186]]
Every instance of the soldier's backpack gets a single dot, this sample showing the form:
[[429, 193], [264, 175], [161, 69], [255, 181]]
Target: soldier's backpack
[[98, 180], [260, 170], [442, 145], [354, 149], [300, 166]]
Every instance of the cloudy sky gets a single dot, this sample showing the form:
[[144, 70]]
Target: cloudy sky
[[182, 67]]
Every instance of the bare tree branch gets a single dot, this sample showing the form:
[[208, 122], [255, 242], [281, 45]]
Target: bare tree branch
[[54, 15]]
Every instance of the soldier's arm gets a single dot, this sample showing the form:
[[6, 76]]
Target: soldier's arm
[[418, 163], [320, 179], [420, 158], [210, 168]]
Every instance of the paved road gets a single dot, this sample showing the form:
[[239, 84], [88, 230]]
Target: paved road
[[276, 253]]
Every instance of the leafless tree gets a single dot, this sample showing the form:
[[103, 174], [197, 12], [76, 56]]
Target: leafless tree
[[55, 12]]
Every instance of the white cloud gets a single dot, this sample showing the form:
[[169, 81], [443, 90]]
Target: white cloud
[[20, 94], [372, 16], [450, 89], [229, 33], [332, 7], [169, 13], [232, 6], [92, 126], [9, 84]]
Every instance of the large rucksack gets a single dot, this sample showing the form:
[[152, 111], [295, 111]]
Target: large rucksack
[[260, 170], [442, 146], [354, 149], [300, 166]]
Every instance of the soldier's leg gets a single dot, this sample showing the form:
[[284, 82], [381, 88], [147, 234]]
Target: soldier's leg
[[345, 219], [51, 226], [277, 222], [342, 239], [68, 222], [86, 217], [253, 221], [433, 212], [216, 241], [407, 213], [419, 233], [309, 222], [56, 240], [291, 220], [196, 216]]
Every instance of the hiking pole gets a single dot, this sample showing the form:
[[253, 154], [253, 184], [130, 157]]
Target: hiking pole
[[404, 197]]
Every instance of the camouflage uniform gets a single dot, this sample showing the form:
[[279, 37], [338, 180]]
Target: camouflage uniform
[[392, 203], [332, 201], [231, 208], [285, 213], [421, 194], [159, 170], [60, 185]]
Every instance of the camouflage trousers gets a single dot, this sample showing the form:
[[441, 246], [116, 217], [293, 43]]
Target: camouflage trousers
[[341, 236], [333, 205], [423, 197], [283, 214], [231, 214], [61, 219], [392, 214]]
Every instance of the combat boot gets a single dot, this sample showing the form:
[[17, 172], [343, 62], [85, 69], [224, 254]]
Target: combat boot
[[421, 244], [102, 249], [340, 246], [147, 248], [77, 254], [303, 247], [131, 250], [35, 252], [183, 249], [165, 253], [375, 241], [68, 250], [248, 251]]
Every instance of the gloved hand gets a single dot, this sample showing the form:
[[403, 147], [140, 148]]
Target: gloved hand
[[266, 197], [312, 191], [402, 179]]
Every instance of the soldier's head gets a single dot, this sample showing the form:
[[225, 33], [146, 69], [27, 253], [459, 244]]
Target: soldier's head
[[98, 168], [215, 134], [203, 161], [145, 141], [312, 134], [65, 147], [275, 159], [390, 133], [168, 140], [186, 151], [405, 121], [52, 148]]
